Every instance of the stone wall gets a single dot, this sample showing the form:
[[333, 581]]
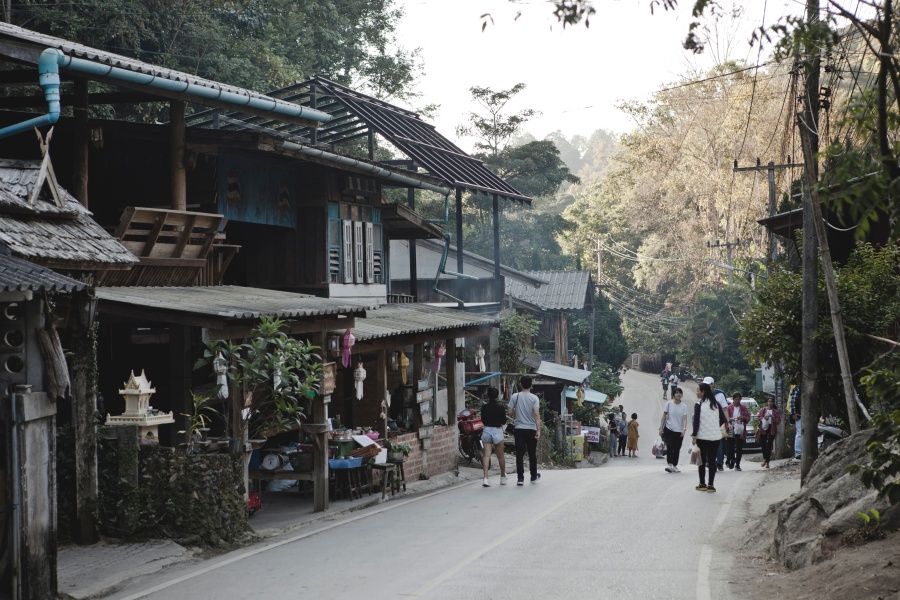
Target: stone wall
[[195, 498], [440, 458]]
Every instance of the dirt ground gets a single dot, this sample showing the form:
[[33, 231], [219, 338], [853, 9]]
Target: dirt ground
[[863, 571]]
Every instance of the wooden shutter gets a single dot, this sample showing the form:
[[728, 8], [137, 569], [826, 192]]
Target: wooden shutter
[[359, 253], [347, 247], [370, 254]]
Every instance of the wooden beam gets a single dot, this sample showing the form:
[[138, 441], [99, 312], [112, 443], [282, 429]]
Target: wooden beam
[[81, 149], [176, 149], [453, 390]]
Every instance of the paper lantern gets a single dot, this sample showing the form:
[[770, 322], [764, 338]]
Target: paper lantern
[[347, 341], [359, 375]]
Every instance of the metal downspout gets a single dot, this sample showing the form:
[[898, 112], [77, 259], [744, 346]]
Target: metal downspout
[[48, 77], [16, 493]]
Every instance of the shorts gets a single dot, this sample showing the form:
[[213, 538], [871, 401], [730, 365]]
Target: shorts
[[665, 386], [492, 435]]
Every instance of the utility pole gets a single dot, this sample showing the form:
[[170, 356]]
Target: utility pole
[[808, 126], [770, 168], [728, 246]]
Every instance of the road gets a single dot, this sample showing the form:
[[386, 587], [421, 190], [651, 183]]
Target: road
[[626, 529]]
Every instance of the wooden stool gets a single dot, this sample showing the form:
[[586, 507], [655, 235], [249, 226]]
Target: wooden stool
[[402, 479], [388, 474], [347, 478]]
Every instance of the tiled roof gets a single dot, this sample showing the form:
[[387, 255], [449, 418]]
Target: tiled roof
[[566, 290], [17, 275], [42, 232], [393, 320], [230, 302]]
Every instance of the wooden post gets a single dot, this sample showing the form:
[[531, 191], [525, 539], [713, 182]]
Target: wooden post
[[84, 395], [498, 279], [459, 231], [807, 125], [176, 140], [453, 389], [413, 267], [81, 147], [381, 386]]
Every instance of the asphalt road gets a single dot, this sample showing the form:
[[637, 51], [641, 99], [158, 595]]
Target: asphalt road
[[626, 529]]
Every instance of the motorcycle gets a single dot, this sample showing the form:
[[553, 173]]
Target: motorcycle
[[470, 427], [829, 434]]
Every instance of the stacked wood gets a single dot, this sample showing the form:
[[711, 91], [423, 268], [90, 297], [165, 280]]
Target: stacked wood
[[366, 452]]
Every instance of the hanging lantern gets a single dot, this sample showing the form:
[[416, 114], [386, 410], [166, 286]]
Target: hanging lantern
[[404, 364], [428, 351], [393, 361], [460, 354], [580, 395], [221, 367], [347, 341], [334, 346], [479, 359], [439, 352], [359, 375]]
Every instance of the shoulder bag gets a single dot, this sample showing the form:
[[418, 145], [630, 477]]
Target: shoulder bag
[[511, 427]]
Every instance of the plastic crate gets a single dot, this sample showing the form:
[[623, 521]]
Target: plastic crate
[[471, 425], [344, 463]]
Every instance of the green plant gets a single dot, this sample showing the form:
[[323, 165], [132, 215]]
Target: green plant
[[401, 447], [871, 521], [276, 373], [199, 419]]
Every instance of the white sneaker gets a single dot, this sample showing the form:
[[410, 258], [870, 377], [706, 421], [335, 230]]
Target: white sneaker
[[676, 470], [486, 483], [503, 480], [670, 469]]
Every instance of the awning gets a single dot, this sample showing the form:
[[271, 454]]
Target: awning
[[395, 320], [561, 372], [590, 395]]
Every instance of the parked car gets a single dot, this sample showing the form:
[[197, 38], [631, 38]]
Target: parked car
[[751, 441]]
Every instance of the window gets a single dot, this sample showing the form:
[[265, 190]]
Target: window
[[354, 246]]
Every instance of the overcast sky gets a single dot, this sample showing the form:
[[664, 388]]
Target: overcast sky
[[576, 76]]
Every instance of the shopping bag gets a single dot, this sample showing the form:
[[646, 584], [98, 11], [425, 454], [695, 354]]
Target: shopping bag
[[695, 455], [659, 448]]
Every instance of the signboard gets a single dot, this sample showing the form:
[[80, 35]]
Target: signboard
[[591, 434], [329, 370]]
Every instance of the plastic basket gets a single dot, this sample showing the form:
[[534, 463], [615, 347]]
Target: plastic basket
[[344, 463]]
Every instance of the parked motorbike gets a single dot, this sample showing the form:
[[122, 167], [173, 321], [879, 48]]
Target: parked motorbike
[[470, 427], [829, 434]]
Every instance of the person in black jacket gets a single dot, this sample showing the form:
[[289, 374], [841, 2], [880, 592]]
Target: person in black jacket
[[493, 415]]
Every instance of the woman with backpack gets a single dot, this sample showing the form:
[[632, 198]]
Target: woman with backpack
[[708, 421]]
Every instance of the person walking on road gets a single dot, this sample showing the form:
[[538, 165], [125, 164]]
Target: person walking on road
[[494, 418], [524, 407], [769, 418], [623, 432], [738, 416], [722, 399], [707, 434], [664, 378], [673, 428], [613, 435], [633, 436]]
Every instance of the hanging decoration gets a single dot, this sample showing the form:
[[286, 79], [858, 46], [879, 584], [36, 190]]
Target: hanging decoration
[[479, 359], [221, 367], [580, 395], [439, 352], [347, 341], [404, 364], [393, 361], [359, 375], [427, 351]]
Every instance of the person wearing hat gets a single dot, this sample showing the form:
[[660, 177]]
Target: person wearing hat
[[722, 399]]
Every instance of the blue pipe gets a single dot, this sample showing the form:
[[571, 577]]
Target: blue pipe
[[183, 87], [48, 77], [491, 376]]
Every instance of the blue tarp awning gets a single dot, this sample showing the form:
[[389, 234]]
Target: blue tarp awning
[[589, 395]]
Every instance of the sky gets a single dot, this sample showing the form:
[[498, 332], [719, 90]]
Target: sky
[[575, 76]]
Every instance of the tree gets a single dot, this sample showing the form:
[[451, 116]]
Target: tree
[[494, 129], [516, 340], [610, 347]]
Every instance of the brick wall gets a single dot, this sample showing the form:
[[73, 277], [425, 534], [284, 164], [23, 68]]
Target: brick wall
[[441, 456]]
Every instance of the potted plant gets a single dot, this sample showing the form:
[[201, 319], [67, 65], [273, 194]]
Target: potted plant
[[198, 421], [397, 451]]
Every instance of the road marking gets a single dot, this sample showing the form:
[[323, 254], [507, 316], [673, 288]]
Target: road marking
[[703, 573]]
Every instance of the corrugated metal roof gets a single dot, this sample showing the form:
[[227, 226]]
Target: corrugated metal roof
[[231, 301], [565, 290], [41, 41], [402, 319], [42, 232], [356, 115], [562, 372], [17, 275], [590, 395]]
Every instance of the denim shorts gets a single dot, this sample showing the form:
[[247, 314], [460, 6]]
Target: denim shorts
[[492, 435]]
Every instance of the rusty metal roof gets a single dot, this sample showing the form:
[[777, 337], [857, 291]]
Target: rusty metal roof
[[356, 115], [54, 237], [565, 290], [17, 275], [393, 320], [27, 46], [230, 302]]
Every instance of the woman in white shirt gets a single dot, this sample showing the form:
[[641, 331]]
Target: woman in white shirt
[[673, 428], [708, 420]]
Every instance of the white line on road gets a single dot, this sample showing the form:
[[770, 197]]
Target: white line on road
[[703, 590]]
